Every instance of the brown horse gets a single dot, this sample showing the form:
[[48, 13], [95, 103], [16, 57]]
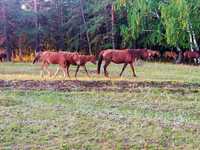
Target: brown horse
[[153, 54], [83, 60], [2, 56], [64, 60], [168, 55], [77, 60], [127, 56], [146, 55], [61, 59], [191, 55]]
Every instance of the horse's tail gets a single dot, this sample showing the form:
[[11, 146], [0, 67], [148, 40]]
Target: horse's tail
[[37, 58], [100, 62]]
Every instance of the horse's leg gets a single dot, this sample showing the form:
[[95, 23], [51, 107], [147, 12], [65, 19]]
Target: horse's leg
[[68, 70], [57, 71], [64, 72], [77, 69], [86, 71], [133, 70], [42, 70], [105, 67], [123, 69], [47, 69]]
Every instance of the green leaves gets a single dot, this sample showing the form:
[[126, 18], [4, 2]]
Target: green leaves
[[175, 17], [162, 22]]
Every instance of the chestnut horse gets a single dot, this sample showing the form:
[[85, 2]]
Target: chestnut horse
[[127, 56], [153, 54], [64, 60], [54, 58], [170, 55], [83, 60], [79, 61], [2, 56], [191, 55]]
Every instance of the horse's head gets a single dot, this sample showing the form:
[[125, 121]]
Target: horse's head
[[142, 54], [76, 58], [138, 53], [157, 53]]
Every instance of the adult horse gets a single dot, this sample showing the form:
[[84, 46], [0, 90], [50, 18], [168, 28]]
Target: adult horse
[[2, 56], [153, 55], [191, 55], [61, 59], [127, 56], [64, 60], [168, 55]]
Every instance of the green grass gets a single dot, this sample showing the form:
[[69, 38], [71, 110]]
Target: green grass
[[149, 118], [146, 72], [154, 119]]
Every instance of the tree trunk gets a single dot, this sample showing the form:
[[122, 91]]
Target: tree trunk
[[113, 25], [191, 39], [86, 28], [180, 55], [37, 26], [6, 34], [61, 20], [194, 38]]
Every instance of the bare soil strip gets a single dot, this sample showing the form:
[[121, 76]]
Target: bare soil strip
[[76, 85]]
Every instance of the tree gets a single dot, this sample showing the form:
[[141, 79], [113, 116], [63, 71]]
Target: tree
[[165, 23]]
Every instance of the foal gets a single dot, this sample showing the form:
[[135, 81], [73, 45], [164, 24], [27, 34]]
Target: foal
[[77, 60], [83, 59]]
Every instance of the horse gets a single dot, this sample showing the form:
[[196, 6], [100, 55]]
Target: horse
[[54, 58], [79, 61], [191, 55], [83, 60], [153, 54], [127, 56], [170, 55], [146, 55], [2, 56]]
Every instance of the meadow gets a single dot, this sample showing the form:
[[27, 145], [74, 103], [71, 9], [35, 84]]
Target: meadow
[[160, 110]]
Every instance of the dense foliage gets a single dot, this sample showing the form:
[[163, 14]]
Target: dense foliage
[[92, 25]]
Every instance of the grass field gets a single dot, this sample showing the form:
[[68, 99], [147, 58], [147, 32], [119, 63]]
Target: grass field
[[145, 72], [148, 118]]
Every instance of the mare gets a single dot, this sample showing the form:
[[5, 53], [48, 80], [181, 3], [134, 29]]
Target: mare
[[170, 55], [191, 55], [126, 56], [64, 60], [2, 56], [54, 58], [153, 55]]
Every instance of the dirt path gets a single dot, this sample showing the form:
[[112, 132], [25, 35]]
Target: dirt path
[[75, 85]]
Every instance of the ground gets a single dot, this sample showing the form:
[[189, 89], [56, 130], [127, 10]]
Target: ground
[[157, 110]]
